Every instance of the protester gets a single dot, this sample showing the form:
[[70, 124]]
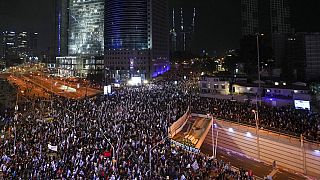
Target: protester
[[112, 136]]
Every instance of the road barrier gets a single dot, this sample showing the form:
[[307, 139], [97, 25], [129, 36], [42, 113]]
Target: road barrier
[[289, 152]]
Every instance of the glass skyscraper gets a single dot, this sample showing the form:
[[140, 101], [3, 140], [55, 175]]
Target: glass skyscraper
[[86, 27], [127, 25], [136, 38]]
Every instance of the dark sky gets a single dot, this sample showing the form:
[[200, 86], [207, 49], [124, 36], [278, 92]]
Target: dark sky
[[217, 21]]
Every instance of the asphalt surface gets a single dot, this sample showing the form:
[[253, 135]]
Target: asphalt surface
[[259, 169]]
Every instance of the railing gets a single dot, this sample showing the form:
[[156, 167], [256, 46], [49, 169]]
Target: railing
[[269, 130]]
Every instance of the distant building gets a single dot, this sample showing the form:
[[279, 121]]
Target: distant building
[[86, 28], [18, 47], [214, 85], [265, 16], [270, 18], [136, 38], [182, 29], [309, 54], [33, 45], [22, 45], [61, 8], [9, 45], [76, 66]]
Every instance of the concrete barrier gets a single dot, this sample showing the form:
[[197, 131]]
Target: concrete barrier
[[289, 152]]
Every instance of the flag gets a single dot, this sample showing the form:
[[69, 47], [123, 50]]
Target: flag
[[195, 165], [53, 148], [107, 154]]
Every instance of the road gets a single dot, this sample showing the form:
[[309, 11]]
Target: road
[[259, 169], [39, 85]]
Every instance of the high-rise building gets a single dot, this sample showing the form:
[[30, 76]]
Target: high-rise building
[[22, 45], [79, 35], [249, 17], [61, 8], [182, 29], [33, 45], [136, 38], [270, 18], [86, 27], [309, 54], [265, 16], [9, 45]]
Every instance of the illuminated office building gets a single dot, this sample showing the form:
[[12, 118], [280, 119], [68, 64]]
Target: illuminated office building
[[136, 38], [86, 27]]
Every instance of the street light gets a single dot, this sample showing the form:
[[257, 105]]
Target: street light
[[113, 155], [256, 118]]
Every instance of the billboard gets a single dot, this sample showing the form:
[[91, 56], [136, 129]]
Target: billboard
[[107, 90], [301, 104]]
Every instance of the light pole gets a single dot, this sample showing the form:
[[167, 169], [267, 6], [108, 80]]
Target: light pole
[[256, 117], [113, 155], [258, 65]]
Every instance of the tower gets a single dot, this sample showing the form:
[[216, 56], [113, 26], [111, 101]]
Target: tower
[[136, 38]]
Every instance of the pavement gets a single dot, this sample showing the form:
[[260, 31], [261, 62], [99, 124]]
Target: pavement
[[259, 169]]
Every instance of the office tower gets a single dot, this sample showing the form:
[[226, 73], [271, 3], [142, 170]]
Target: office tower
[[309, 54], [270, 18], [173, 34], [79, 35], [9, 45], [33, 45], [86, 21], [265, 16], [22, 45], [136, 38], [61, 8], [249, 17], [182, 29]]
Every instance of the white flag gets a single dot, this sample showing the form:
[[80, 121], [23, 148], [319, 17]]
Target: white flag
[[195, 165], [53, 148]]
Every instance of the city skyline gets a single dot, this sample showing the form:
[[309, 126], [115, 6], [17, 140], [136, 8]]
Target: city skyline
[[218, 33]]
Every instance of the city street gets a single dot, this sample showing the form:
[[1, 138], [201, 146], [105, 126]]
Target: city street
[[259, 169]]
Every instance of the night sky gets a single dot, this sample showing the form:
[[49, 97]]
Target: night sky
[[217, 21]]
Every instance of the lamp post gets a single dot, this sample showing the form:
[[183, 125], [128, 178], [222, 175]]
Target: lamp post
[[258, 66], [113, 155], [256, 117]]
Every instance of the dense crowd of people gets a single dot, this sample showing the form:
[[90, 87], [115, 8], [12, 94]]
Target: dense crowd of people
[[118, 135], [286, 120], [107, 137]]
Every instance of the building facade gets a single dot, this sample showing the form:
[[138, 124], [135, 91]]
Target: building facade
[[86, 27], [9, 45], [136, 38], [270, 18], [61, 8], [79, 42], [309, 55], [18, 47]]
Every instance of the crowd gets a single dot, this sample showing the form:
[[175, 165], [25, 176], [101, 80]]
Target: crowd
[[107, 137], [280, 119], [113, 136]]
